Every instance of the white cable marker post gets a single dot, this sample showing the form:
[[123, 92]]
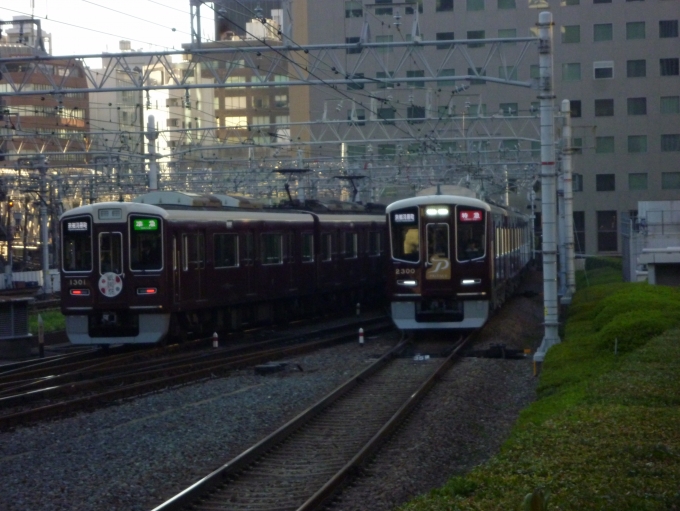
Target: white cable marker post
[[361, 337], [41, 336], [215, 340]]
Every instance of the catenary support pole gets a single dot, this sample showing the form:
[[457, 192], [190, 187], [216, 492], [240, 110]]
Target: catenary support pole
[[567, 170], [152, 135], [548, 187]]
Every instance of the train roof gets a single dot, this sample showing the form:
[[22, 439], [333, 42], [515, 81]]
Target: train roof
[[439, 199], [115, 211]]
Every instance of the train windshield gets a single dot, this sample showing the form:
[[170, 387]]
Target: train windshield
[[405, 235], [146, 242], [77, 244], [110, 252], [471, 234]]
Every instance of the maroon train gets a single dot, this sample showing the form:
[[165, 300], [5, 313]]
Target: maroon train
[[136, 273]]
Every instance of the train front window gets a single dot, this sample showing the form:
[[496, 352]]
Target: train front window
[[77, 244], [146, 242], [110, 252], [471, 242], [405, 235]]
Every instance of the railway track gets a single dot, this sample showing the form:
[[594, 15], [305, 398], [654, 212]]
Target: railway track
[[53, 390], [303, 464]]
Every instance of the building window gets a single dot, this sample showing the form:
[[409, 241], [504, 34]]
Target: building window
[[356, 117], [386, 115], [637, 106], [387, 150], [236, 121], [416, 74], [575, 107], [636, 68], [506, 33], [571, 34], [579, 232], [356, 86], [606, 231], [409, 8], [604, 107], [637, 181], [443, 5], [475, 5], [384, 39], [564, 3], [415, 114], [577, 145], [637, 143], [635, 30], [577, 182], [535, 71], [356, 150], [602, 1], [383, 11], [507, 72], [604, 145], [670, 104], [605, 182], [670, 180], [535, 149], [281, 100], [234, 102], [353, 9], [603, 69], [380, 75], [446, 83], [603, 32], [475, 34], [668, 28], [444, 36], [670, 143], [670, 67], [352, 40], [508, 109], [571, 72], [506, 4], [474, 81]]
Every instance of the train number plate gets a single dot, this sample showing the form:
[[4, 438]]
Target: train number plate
[[78, 282]]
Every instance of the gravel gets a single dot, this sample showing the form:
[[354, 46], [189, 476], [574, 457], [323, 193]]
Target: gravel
[[137, 454]]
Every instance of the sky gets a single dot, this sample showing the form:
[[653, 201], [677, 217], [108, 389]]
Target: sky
[[85, 27]]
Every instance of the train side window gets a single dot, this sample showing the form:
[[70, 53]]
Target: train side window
[[350, 245], [272, 248], [185, 252], [111, 252], [226, 250], [326, 246], [471, 235], [437, 241], [307, 247]]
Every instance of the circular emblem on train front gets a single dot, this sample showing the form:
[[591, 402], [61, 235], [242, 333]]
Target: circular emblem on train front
[[110, 284]]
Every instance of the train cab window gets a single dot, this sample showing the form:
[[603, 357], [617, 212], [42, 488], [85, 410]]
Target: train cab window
[[77, 244], [350, 245], [226, 250], [111, 252], [437, 241], [375, 243], [405, 235], [146, 242], [272, 248], [307, 247], [326, 246], [471, 234]]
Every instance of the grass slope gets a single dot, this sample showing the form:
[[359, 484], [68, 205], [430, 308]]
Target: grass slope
[[604, 433]]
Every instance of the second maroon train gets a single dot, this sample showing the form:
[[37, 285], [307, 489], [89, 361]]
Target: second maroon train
[[140, 273]]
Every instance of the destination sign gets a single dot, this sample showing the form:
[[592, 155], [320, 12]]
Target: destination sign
[[145, 224], [470, 216]]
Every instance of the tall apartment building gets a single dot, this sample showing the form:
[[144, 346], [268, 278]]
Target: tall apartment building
[[616, 60]]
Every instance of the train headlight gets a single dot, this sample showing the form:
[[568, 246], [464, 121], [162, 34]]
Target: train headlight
[[437, 211], [409, 283], [470, 282]]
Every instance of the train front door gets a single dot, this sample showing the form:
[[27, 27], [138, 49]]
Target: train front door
[[192, 272], [438, 259]]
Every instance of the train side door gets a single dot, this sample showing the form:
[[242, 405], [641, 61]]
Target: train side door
[[248, 263], [176, 269], [192, 286]]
